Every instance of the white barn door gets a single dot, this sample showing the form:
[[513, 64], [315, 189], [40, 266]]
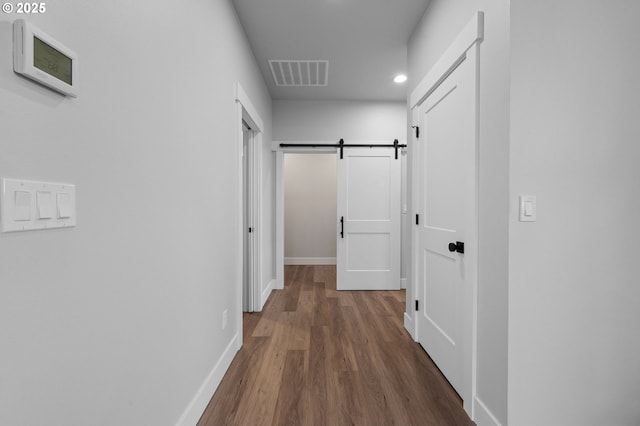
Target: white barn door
[[368, 252]]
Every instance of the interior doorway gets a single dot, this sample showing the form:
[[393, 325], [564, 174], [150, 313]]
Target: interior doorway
[[250, 130], [310, 209], [247, 219]]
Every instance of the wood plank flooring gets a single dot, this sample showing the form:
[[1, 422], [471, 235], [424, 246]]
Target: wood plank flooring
[[316, 356]]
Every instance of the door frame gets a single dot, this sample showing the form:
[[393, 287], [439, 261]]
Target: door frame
[[245, 111], [466, 47]]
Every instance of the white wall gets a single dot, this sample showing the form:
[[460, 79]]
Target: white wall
[[442, 22], [310, 208], [574, 291], [118, 321], [332, 120]]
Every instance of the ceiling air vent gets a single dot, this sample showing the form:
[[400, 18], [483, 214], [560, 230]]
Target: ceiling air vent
[[300, 73]]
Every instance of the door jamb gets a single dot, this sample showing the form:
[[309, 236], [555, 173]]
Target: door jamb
[[466, 45], [247, 112]]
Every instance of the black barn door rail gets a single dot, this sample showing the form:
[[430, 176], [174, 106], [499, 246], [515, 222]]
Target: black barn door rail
[[340, 145]]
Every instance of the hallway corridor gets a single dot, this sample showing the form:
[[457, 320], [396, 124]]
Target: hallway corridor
[[316, 356]]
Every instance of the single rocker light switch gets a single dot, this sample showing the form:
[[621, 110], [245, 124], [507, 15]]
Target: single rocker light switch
[[44, 202], [527, 208], [22, 206], [64, 205]]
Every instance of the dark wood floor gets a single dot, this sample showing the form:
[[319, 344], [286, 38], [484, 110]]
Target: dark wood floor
[[316, 356]]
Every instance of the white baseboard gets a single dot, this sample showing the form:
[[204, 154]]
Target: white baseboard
[[483, 416], [309, 260], [403, 283], [266, 293], [199, 403], [408, 324]]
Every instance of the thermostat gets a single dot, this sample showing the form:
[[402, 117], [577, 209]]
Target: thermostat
[[40, 57]]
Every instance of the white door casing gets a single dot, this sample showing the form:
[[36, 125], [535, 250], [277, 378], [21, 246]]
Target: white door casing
[[368, 252], [445, 175]]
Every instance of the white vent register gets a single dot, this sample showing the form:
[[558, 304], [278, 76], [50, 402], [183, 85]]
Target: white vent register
[[300, 73], [27, 205]]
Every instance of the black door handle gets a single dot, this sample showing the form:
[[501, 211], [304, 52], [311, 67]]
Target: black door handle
[[341, 226], [457, 246]]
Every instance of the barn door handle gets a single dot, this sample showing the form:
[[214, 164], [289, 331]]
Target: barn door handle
[[458, 246], [341, 226]]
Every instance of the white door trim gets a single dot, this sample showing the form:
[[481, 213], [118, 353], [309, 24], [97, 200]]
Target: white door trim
[[465, 46], [247, 112], [472, 33]]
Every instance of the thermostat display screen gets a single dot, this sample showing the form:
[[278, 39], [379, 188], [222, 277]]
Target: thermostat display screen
[[51, 61]]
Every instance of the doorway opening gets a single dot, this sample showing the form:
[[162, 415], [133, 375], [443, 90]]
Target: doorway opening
[[247, 219], [250, 129], [310, 209]]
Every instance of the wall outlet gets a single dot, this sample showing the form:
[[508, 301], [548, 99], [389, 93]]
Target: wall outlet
[[225, 318]]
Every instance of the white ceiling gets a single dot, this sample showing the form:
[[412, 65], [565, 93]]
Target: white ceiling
[[365, 42]]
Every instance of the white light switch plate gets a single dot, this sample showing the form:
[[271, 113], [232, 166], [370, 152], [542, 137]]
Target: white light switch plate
[[528, 208], [27, 205]]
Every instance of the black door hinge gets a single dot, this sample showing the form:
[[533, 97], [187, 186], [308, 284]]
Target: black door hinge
[[250, 230], [417, 305], [417, 219], [417, 131]]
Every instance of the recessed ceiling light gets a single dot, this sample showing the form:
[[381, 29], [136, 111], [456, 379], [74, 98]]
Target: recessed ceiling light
[[400, 78]]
